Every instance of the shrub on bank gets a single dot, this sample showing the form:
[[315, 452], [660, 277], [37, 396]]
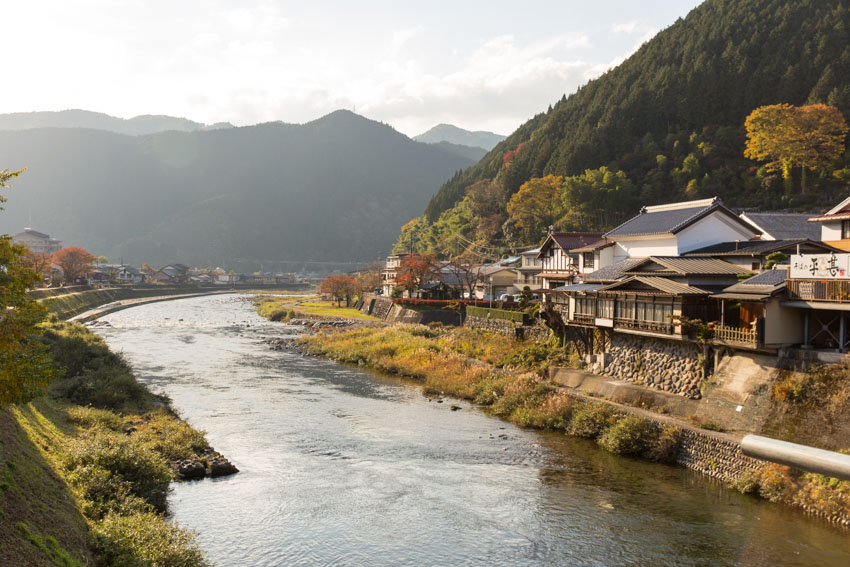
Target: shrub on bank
[[590, 419], [169, 437], [90, 373], [138, 469], [89, 417], [146, 539], [632, 435]]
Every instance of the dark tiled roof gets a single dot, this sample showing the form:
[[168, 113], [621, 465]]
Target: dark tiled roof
[[783, 226], [763, 285], [613, 272], [580, 287], [571, 240], [686, 266], [758, 247], [660, 220], [598, 245], [768, 277], [663, 285]]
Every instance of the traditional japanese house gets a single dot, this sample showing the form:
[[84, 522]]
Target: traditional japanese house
[[559, 263], [651, 296]]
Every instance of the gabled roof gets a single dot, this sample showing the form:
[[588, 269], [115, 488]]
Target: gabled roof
[[593, 246], [532, 252], [760, 247], [658, 284], [569, 240], [35, 233], [678, 266], [782, 226], [838, 212], [579, 287], [673, 218], [613, 272]]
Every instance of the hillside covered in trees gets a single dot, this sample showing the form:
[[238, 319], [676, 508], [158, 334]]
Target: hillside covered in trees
[[335, 189], [667, 124]]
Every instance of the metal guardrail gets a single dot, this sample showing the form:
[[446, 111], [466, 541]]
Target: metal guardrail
[[829, 463]]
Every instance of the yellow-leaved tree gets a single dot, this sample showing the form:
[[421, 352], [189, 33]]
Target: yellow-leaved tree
[[810, 137], [536, 206]]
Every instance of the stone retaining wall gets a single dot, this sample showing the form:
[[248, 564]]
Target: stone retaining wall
[[500, 326], [715, 457], [670, 366]]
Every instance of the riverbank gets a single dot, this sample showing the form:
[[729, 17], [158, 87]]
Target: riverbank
[[88, 465], [505, 376]]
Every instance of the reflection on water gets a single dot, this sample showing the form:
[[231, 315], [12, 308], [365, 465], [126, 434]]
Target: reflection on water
[[343, 467]]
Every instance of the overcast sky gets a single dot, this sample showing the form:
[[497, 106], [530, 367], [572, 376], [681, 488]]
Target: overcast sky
[[487, 65]]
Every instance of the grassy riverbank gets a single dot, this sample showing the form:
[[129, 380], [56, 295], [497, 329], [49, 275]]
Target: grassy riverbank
[[505, 376], [86, 467], [282, 308]]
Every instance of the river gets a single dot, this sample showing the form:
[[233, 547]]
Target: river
[[340, 466]]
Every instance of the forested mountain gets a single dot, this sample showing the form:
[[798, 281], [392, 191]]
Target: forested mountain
[[455, 135], [473, 153], [136, 126], [335, 189], [666, 124]]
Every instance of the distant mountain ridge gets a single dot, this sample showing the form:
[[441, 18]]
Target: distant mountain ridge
[[459, 136], [336, 189], [136, 126]]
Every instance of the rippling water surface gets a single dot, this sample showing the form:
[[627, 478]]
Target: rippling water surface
[[344, 467]]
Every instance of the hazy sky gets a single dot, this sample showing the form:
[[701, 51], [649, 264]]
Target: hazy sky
[[487, 65]]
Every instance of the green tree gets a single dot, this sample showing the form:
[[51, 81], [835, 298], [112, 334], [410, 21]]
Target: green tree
[[25, 366], [535, 206]]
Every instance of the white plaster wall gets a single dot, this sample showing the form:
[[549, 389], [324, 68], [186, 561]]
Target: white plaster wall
[[642, 248], [830, 230], [783, 325], [713, 229]]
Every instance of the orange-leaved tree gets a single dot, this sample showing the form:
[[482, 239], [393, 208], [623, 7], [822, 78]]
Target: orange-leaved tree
[[74, 261], [39, 262], [340, 287], [785, 136], [416, 270]]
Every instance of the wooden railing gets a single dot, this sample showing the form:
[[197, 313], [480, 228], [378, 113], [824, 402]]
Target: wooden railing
[[819, 290], [724, 334], [582, 319], [653, 326]]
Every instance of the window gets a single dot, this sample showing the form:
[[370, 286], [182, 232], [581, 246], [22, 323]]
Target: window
[[606, 308], [588, 261], [845, 229], [756, 266], [585, 306]]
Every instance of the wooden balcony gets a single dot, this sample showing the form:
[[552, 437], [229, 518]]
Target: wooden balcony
[[650, 326], [836, 291], [582, 319]]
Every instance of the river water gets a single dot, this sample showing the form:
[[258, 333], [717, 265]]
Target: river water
[[345, 467]]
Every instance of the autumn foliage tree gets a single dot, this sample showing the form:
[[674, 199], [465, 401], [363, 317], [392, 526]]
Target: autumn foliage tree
[[74, 261], [339, 288], [535, 206], [784, 136], [416, 270], [39, 262]]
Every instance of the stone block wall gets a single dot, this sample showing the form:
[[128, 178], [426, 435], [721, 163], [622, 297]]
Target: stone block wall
[[500, 326], [715, 457], [381, 307], [670, 366]]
